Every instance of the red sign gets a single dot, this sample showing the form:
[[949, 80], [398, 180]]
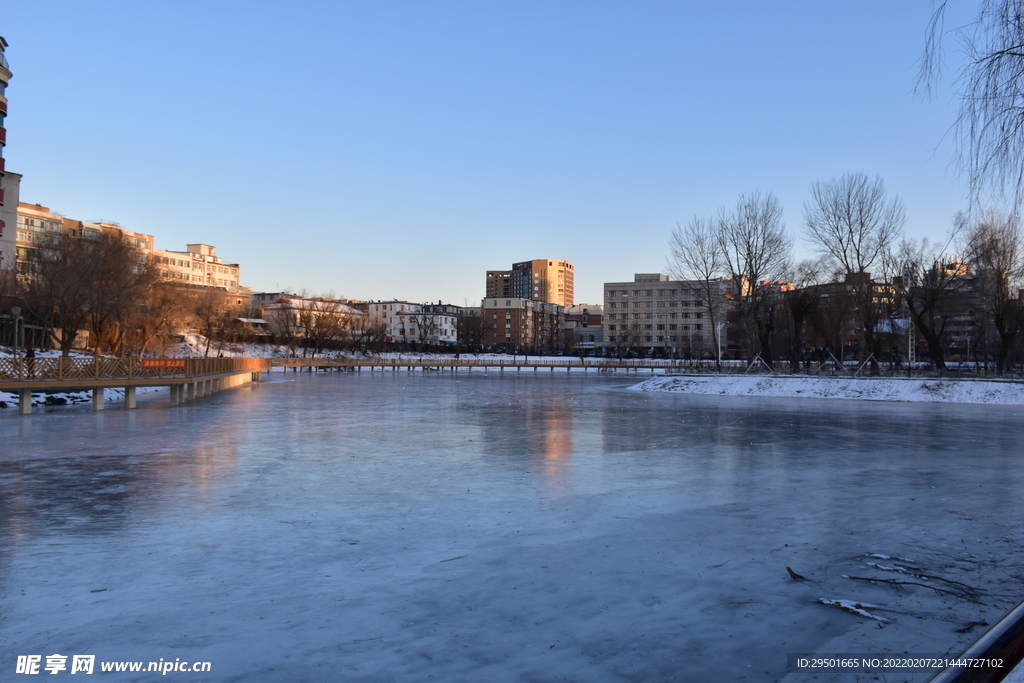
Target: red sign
[[163, 362]]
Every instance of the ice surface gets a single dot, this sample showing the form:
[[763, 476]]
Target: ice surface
[[472, 527]]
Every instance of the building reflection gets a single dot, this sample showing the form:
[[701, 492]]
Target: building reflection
[[536, 424]]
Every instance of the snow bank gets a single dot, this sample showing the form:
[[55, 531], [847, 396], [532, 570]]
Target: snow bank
[[928, 390]]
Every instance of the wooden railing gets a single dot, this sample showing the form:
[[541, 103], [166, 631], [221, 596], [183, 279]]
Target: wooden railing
[[471, 362], [22, 369]]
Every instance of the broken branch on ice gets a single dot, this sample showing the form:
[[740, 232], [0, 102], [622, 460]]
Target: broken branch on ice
[[858, 608]]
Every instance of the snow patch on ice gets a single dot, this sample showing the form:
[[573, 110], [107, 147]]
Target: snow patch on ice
[[869, 389]]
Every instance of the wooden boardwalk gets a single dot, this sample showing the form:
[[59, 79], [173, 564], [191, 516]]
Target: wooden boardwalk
[[188, 378], [452, 364]]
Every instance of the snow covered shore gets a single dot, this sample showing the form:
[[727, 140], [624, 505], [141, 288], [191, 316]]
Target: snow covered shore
[[925, 390]]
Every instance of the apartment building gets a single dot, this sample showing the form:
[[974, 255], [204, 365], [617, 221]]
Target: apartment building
[[522, 325], [546, 280], [9, 182], [198, 264], [35, 226], [654, 313], [38, 225], [406, 322], [499, 283]]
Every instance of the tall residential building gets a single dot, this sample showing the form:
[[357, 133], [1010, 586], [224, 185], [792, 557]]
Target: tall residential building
[[499, 283], [544, 280], [9, 182]]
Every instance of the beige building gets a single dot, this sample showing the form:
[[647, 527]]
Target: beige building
[[550, 281], [37, 224], [499, 283], [546, 280], [198, 265], [655, 313]]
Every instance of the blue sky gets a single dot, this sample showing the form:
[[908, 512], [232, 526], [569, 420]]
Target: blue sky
[[399, 150]]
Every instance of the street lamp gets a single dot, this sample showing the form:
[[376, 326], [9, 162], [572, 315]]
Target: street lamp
[[16, 310], [719, 335]]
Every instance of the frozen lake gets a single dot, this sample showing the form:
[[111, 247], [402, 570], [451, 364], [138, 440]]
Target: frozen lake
[[487, 527]]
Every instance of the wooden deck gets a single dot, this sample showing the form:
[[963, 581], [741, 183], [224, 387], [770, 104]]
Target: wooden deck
[[196, 377]]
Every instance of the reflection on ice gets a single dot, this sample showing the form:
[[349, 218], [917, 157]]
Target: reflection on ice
[[399, 526]]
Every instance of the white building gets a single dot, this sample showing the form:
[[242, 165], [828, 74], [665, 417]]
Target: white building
[[408, 322]]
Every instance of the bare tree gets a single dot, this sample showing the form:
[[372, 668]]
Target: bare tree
[[931, 282], [323, 321], [214, 315], [122, 277], [995, 249], [70, 282], [160, 313], [627, 337], [990, 126], [853, 222], [426, 327], [696, 259], [473, 327], [802, 303], [756, 250]]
